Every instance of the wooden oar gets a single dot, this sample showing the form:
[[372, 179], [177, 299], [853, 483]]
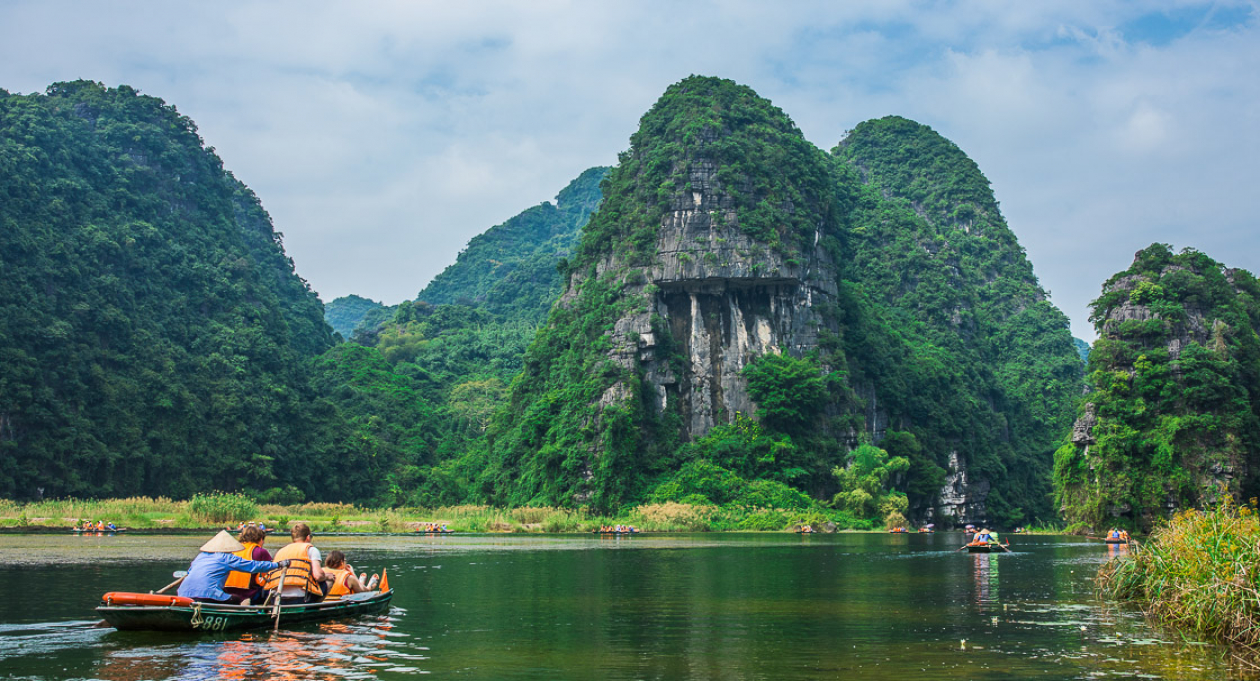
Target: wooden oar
[[179, 580], [279, 591]]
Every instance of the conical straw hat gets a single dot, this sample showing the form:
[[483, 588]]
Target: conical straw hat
[[222, 543]]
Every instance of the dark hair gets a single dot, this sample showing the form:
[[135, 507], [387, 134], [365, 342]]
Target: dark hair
[[252, 534], [335, 559], [300, 531]]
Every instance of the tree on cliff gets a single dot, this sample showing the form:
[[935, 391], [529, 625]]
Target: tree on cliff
[[1171, 418]]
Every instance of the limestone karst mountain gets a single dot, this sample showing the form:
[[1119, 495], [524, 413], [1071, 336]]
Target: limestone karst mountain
[[726, 239], [1170, 421]]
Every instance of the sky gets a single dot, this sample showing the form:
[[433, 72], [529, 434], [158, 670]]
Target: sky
[[382, 136]]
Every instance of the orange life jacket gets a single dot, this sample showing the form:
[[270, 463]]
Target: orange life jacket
[[299, 571], [242, 580], [339, 586]]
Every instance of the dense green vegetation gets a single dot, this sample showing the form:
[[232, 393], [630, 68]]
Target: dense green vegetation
[[346, 313], [511, 269], [940, 321], [153, 333], [1197, 573], [996, 371], [1172, 379], [157, 341]]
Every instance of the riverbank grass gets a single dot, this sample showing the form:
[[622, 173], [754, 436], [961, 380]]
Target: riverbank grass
[[1198, 574], [206, 511]]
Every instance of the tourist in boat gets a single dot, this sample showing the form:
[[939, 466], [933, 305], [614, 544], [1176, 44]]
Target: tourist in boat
[[304, 579], [342, 580], [246, 587], [210, 569]]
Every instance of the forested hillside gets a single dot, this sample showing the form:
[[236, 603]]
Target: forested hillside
[[919, 327], [928, 241], [345, 313], [1170, 421], [152, 331], [510, 269], [731, 316]]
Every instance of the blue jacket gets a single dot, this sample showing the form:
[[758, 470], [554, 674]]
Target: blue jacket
[[209, 571]]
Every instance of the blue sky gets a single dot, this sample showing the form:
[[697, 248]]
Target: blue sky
[[382, 136]]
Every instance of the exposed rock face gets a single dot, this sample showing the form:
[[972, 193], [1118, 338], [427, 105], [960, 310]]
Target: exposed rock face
[[962, 500], [1173, 397], [725, 299]]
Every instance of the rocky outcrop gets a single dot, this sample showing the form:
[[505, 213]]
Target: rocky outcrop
[[720, 299], [1170, 424], [962, 499]]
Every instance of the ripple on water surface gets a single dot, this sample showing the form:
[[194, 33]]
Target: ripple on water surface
[[649, 607]]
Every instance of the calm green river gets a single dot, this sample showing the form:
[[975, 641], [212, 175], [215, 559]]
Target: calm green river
[[698, 606]]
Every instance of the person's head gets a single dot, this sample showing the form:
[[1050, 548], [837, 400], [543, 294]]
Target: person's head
[[252, 535], [300, 532], [335, 560]]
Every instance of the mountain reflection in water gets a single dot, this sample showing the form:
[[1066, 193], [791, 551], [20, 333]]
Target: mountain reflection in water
[[739, 606]]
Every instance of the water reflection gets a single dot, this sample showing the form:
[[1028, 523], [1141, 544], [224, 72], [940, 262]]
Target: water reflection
[[986, 578], [362, 649], [673, 607]]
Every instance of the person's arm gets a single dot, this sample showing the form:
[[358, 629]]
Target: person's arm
[[317, 570], [242, 565]]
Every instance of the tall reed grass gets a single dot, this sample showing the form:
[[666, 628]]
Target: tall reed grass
[[1200, 573], [218, 509]]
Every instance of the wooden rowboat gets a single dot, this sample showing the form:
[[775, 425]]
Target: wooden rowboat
[[986, 547], [132, 612]]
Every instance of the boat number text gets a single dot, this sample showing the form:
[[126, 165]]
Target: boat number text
[[213, 623]]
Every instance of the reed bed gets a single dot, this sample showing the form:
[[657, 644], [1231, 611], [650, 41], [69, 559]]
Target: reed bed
[[205, 511], [1199, 574]]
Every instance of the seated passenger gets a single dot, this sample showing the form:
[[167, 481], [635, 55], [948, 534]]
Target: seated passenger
[[209, 570], [302, 582], [342, 576], [246, 587]]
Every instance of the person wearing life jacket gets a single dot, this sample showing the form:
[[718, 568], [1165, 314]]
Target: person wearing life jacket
[[305, 576], [209, 570], [343, 581], [245, 586]]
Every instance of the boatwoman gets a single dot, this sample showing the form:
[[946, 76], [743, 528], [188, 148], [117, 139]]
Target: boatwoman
[[209, 570]]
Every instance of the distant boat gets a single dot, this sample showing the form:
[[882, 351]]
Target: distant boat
[[79, 530], [987, 547]]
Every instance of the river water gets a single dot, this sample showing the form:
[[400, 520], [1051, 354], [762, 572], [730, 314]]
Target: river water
[[692, 606]]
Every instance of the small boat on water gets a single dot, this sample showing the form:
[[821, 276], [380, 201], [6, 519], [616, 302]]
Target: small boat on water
[[987, 547], [1110, 540], [80, 530], [156, 612]]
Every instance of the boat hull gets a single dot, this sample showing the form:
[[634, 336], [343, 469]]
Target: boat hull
[[986, 548], [1116, 541], [212, 617]]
